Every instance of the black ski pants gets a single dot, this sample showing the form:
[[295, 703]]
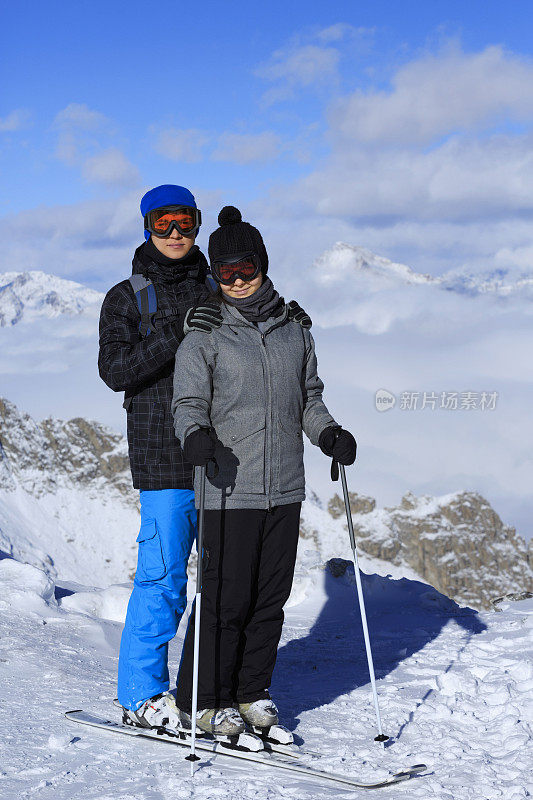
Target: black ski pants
[[248, 567]]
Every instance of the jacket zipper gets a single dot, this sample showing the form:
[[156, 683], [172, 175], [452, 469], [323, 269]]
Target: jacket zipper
[[270, 406]]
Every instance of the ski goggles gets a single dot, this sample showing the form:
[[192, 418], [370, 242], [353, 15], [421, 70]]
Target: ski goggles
[[162, 221], [245, 266]]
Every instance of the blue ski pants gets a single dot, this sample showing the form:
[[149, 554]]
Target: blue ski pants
[[159, 597]]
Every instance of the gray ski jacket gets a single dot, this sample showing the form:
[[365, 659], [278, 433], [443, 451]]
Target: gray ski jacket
[[258, 389]]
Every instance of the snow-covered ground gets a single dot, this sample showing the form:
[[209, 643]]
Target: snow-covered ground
[[455, 692]]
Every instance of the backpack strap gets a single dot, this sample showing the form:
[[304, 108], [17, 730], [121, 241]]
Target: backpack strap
[[211, 284], [146, 298]]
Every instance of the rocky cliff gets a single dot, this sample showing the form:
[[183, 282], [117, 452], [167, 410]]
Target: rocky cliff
[[456, 542], [67, 504], [42, 456]]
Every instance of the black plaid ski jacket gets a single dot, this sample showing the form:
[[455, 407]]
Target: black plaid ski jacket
[[143, 368]]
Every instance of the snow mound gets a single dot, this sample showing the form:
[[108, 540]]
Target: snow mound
[[110, 603], [24, 587]]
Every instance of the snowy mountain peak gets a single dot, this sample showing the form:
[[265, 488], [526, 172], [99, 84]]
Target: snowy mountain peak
[[343, 260], [27, 295]]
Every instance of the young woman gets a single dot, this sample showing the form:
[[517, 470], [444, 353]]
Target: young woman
[[245, 393]]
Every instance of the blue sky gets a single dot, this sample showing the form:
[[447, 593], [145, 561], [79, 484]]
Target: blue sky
[[264, 107]]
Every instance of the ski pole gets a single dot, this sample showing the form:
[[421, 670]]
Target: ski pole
[[381, 737], [192, 757]]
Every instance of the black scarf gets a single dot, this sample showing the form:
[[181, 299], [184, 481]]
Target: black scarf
[[260, 305], [162, 269]]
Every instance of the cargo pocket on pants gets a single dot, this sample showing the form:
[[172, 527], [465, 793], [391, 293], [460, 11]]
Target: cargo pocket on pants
[[150, 562]]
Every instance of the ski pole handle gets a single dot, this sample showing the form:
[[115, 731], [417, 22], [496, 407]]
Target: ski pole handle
[[334, 470]]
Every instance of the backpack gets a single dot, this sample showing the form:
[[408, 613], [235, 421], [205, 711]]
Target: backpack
[[146, 297]]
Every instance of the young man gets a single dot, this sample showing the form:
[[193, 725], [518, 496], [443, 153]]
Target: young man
[[137, 351], [136, 356]]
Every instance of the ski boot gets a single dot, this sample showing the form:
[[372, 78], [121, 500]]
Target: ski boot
[[225, 725], [262, 717], [160, 711], [218, 721]]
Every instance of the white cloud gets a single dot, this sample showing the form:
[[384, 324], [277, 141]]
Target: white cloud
[[15, 120], [111, 167], [185, 145], [80, 116], [462, 179], [341, 31], [439, 94], [189, 145], [247, 148], [79, 132], [307, 61], [84, 140], [520, 256], [302, 66], [94, 238], [438, 171], [347, 285]]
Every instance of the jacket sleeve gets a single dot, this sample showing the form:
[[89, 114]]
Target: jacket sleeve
[[316, 416], [125, 360], [193, 384]]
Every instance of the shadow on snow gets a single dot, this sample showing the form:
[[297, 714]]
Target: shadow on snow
[[403, 616]]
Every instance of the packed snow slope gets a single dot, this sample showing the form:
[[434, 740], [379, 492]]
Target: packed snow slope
[[454, 687]]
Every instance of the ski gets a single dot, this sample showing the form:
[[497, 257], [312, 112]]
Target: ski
[[266, 757]]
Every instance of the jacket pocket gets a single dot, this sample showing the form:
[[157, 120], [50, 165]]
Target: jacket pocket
[[241, 461], [291, 453], [150, 561], [151, 434]]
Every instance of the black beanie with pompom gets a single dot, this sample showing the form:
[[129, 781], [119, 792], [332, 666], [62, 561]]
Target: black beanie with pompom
[[235, 237]]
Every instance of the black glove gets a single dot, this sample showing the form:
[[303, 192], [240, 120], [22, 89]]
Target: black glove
[[297, 314], [203, 317], [338, 444], [199, 447]]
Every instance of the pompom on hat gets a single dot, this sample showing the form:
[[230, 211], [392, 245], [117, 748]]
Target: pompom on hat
[[235, 237]]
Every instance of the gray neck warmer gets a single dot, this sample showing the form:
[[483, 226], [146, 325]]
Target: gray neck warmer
[[259, 306]]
